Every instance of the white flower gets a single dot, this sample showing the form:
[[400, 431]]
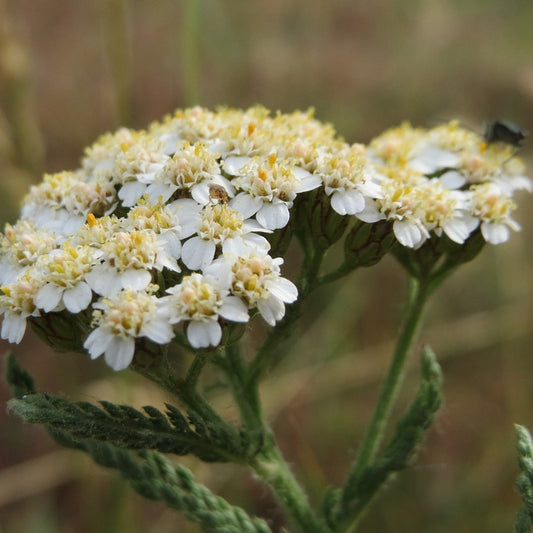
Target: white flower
[[200, 301], [123, 318], [428, 158], [348, 178], [63, 272], [21, 246], [127, 262], [17, 303], [493, 208], [170, 223], [193, 169], [136, 168], [255, 278], [268, 188], [224, 228]]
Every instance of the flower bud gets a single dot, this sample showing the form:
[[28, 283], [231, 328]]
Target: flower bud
[[367, 243]]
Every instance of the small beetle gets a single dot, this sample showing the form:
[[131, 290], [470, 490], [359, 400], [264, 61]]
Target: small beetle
[[504, 131]]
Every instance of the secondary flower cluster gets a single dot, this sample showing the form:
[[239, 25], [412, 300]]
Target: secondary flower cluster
[[171, 225]]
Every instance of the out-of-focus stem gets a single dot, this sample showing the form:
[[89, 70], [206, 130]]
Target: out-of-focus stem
[[119, 54], [191, 52], [418, 293], [23, 146]]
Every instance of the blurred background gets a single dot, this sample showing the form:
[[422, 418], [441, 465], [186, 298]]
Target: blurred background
[[70, 71]]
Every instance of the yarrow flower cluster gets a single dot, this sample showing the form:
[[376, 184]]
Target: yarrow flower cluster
[[173, 225]]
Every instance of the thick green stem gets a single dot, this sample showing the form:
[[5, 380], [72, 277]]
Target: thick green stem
[[418, 293], [268, 464]]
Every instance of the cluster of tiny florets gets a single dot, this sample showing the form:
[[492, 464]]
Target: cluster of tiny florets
[[170, 225]]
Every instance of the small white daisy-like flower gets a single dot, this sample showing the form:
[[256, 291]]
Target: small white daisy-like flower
[[224, 228], [61, 203], [192, 169], [121, 319], [99, 159], [63, 272], [267, 188], [401, 203], [17, 303], [493, 208], [443, 210], [136, 168], [348, 178], [255, 278], [170, 223], [127, 261], [21, 246], [200, 301]]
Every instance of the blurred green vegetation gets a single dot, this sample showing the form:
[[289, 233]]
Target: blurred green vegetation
[[71, 70]]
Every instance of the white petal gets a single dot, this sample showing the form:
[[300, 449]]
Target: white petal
[[233, 164], [103, 281], [130, 192], [246, 205], [119, 353], [197, 253], [204, 334], [163, 191], [271, 309], [283, 289], [408, 233], [308, 181], [171, 243], [273, 215], [135, 278], [48, 297], [13, 327], [370, 213], [495, 233], [97, 342], [78, 298], [348, 202], [234, 309], [452, 180], [457, 230], [158, 330]]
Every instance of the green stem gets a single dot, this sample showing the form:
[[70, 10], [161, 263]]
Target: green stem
[[268, 464], [199, 361], [418, 292], [283, 330]]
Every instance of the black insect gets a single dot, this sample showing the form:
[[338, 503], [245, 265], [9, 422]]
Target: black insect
[[504, 131]]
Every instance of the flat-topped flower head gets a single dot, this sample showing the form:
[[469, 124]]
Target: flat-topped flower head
[[267, 187], [122, 318], [17, 303], [21, 246], [186, 202], [221, 228], [256, 279], [200, 301]]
